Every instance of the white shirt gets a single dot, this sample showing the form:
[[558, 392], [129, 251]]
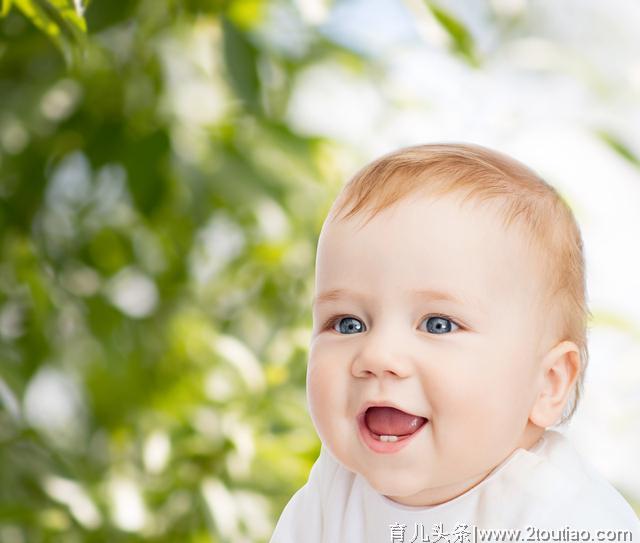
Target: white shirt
[[548, 487]]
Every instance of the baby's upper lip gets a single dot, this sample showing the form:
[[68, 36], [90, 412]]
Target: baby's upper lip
[[384, 403]]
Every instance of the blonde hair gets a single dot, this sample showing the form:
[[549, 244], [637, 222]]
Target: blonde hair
[[524, 199]]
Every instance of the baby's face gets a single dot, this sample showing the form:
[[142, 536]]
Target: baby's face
[[430, 308]]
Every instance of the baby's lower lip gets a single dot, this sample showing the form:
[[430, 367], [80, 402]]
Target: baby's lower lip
[[384, 447]]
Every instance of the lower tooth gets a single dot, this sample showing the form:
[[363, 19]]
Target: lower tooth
[[388, 438]]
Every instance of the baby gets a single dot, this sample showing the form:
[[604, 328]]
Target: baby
[[449, 334]]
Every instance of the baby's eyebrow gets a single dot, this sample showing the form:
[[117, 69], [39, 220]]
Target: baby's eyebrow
[[428, 294], [333, 295]]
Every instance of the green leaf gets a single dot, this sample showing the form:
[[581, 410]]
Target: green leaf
[[69, 13], [247, 13], [462, 39], [241, 58], [6, 6], [619, 147], [60, 21]]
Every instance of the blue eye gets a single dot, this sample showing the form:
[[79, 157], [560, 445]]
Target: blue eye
[[348, 325], [439, 325]]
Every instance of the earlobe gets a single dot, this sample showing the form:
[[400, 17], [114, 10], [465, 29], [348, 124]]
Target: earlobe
[[559, 372]]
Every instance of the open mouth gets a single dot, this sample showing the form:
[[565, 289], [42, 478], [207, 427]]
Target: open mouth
[[387, 429]]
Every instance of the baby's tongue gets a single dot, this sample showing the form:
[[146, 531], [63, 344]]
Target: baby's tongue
[[389, 421]]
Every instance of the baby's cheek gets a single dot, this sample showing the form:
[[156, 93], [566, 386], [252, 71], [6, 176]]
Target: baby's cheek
[[315, 385], [466, 405], [322, 392], [457, 389]]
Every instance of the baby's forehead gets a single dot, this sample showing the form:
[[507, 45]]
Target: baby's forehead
[[452, 209], [451, 225]]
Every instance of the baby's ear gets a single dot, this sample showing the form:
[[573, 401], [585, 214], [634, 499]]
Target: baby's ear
[[559, 369]]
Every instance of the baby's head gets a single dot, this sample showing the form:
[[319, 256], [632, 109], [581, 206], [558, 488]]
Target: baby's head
[[450, 286]]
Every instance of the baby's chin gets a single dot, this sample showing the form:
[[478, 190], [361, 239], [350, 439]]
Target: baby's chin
[[399, 487]]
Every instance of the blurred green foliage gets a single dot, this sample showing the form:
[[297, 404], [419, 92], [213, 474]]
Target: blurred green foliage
[[157, 232]]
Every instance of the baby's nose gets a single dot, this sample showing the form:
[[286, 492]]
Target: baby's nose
[[376, 359]]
